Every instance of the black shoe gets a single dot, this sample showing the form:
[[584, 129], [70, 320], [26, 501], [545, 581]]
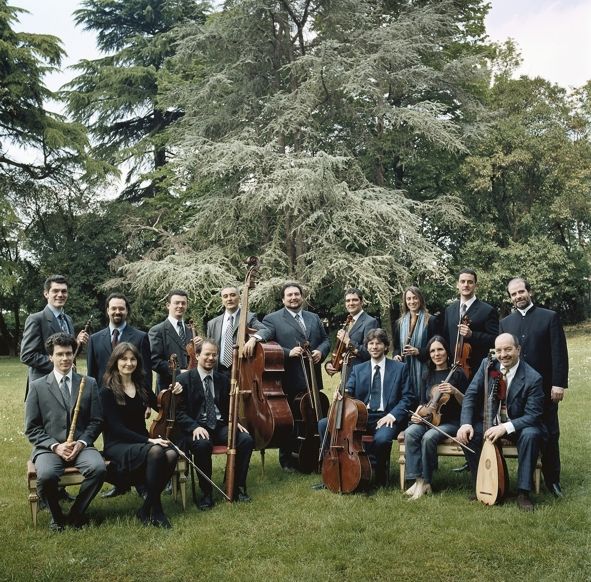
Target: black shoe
[[160, 520], [168, 488], [205, 503], [556, 490], [318, 486], [63, 495], [524, 502], [115, 492], [288, 468], [461, 469], [78, 521], [241, 495], [141, 491], [143, 515], [56, 526]]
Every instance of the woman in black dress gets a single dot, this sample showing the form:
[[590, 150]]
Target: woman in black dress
[[420, 440], [127, 443]]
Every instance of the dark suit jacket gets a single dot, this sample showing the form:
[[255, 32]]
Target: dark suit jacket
[[99, 351], [288, 334], [164, 341], [525, 401], [193, 399], [47, 418], [484, 324], [398, 394], [38, 327], [543, 344], [357, 334]]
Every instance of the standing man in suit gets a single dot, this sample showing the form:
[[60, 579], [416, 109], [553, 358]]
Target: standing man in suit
[[171, 337], [483, 328], [290, 327], [223, 329], [203, 421], [48, 417], [383, 385], [519, 418], [39, 326], [543, 347], [355, 333], [101, 345]]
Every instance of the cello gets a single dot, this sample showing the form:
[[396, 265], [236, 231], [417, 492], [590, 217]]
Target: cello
[[163, 425], [492, 479], [346, 467], [310, 406]]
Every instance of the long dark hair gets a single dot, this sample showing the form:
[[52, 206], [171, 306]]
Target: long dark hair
[[112, 379], [441, 340]]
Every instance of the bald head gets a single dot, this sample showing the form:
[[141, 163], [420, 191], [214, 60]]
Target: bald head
[[507, 350]]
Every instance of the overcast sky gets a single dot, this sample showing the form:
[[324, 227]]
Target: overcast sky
[[554, 35]]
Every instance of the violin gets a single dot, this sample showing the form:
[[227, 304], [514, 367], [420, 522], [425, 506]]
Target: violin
[[190, 348], [437, 400], [492, 478], [346, 467], [337, 356], [463, 350], [164, 424], [310, 406]]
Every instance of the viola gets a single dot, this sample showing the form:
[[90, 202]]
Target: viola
[[190, 348], [463, 350], [492, 478], [345, 466], [337, 356], [164, 423], [437, 400], [309, 407]]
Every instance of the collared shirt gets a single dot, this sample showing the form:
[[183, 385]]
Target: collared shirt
[[57, 313], [468, 303], [382, 365], [356, 317], [524, 311], [202, 374], [58, 377], [175, 323], [509, 375], [120, 328], [226, 322]]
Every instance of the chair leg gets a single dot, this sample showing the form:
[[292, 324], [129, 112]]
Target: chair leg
[[263, 462], [402, 467], [34, 504]]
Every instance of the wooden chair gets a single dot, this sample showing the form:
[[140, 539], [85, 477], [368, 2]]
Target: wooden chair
[[448, 448]]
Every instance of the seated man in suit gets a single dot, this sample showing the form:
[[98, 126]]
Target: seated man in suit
[[383, 386], [171, 336], [224, 327], [519, 418], [355, 333], [202, 419], [49, 411]]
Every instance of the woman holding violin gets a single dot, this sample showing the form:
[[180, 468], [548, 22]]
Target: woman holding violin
[[413, 329], [137, 458], [441, 403]]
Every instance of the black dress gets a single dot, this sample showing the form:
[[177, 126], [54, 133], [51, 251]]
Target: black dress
[[124, 431]]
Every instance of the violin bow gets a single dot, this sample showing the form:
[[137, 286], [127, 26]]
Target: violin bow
[[443, 432]]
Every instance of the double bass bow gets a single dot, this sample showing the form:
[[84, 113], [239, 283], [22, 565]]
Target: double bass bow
[[345, 466], [492, 478], [164, 424]]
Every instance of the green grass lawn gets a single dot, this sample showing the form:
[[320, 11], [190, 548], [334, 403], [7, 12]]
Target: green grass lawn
[[290, 532]]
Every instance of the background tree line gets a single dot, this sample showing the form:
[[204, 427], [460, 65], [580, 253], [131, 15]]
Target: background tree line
[[374, 144]]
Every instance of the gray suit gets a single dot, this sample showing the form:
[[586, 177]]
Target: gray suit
[[164, 341], [47, 422], [38, 327], [215, 326]]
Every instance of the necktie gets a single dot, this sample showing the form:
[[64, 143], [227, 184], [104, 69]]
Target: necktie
[[115, 338], [65, 390], [228, 342], [503, 415], [210, 416], [63, 323], [463, 310], [301, 323], [375, 397], [182, 333]]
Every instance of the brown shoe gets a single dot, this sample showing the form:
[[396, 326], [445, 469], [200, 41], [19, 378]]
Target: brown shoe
[[524, 502]]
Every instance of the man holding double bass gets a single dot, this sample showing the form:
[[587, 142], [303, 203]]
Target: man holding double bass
[[519, 416]]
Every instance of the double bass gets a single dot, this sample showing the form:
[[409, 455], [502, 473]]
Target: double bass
[[163, 425], [309, 407], [345, 466], [492, 479]]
